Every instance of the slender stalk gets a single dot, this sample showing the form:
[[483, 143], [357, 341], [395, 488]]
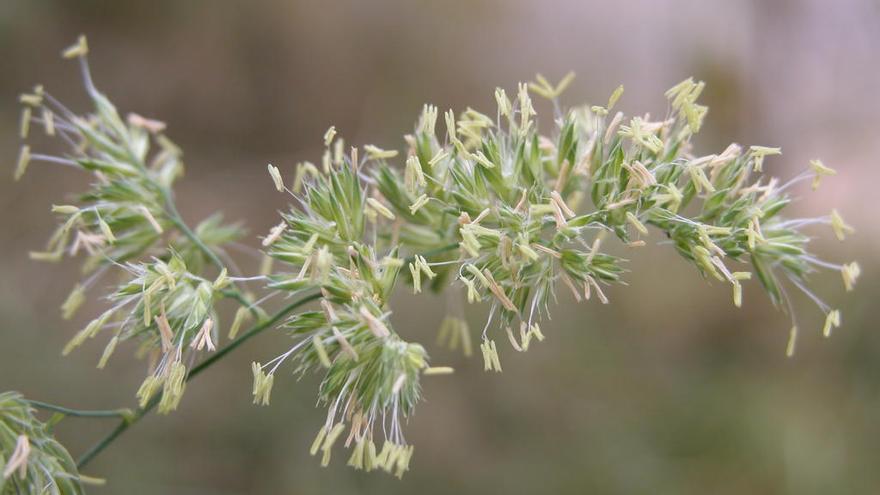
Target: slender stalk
[[177, 220], [432, 252], [138, 414], [98, 413]]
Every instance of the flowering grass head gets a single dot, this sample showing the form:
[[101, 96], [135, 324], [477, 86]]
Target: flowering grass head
[[495, 209], [527, 214], [127, 223]]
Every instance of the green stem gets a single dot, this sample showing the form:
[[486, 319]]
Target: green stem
[[138, 414], [99, 413], [180, 224], [432, 252]]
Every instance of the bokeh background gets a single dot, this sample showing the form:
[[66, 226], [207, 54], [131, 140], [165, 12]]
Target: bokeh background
[[667, 390]]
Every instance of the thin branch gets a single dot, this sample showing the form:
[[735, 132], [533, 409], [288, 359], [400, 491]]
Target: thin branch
[[138, 414], [98, 413], [177, 220]]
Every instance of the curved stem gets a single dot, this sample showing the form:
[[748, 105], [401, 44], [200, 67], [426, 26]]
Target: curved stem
[[99, 413], [138, 414], [178, 222], [432, 252], [181, 225]]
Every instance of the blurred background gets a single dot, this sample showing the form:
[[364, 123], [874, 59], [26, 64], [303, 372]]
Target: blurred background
[[669, 389]]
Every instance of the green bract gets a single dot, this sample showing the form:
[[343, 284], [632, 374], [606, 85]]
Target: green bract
[[31, 459]]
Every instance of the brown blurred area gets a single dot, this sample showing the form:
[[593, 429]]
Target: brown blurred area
[[669, 389]]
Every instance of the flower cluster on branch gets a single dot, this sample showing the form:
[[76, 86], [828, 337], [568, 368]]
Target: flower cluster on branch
[[496, 208], [530, 213]]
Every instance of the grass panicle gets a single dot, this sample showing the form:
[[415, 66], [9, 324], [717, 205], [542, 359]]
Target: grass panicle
[[508, 213]]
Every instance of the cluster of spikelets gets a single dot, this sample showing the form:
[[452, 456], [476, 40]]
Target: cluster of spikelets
[[493, 208], [31, 460], [529, 213], [371, 374], [126, 212], [126, 223], [121, 216]]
